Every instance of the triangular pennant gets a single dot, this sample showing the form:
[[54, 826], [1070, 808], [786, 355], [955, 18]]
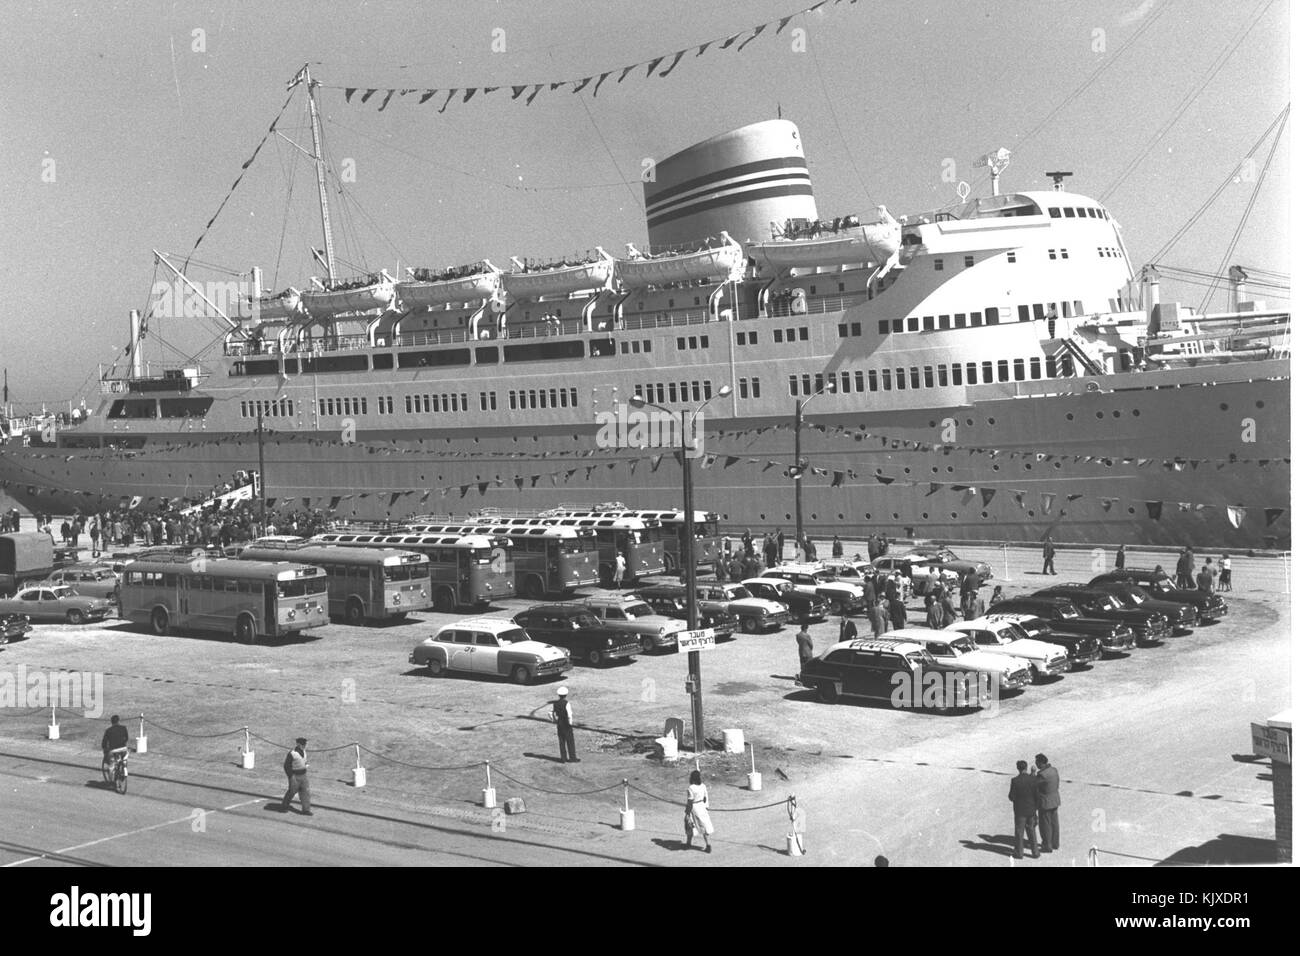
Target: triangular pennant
[[782, 22], [753, 36], [517, 91], [533, 95], [703, 47], [653, 64], [1272, 514], [986, 495], [1235, 515], [582, 84], [837, 480], [934, 487], [626, 70], [603, 77], [655, 460], [388, 97], [347, 94], [450, 94], [1154, 508], [677, 58], [1048, 497], [469, 93], [367, 94], [730, 40], [729, 461]]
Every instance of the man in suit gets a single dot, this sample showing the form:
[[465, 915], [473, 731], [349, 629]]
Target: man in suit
[[1049, 802], [1049, 556], [1024, 803]]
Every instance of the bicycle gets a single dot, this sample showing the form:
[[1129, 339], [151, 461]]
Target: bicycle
[[114, 770]]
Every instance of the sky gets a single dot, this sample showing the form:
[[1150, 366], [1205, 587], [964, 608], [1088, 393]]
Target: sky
[[123, 126]]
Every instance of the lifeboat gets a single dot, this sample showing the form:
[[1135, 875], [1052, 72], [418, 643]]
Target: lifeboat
[[414, 294], [561, 280], [874, 244], [717, 263], [325, 304], [282, 305]]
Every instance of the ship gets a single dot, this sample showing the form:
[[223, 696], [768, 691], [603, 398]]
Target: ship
[[995, 370]]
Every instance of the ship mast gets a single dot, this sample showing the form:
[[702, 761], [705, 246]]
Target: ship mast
[[319, 157]]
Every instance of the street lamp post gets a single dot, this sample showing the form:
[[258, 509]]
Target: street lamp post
[[694, 680], [797, 472]]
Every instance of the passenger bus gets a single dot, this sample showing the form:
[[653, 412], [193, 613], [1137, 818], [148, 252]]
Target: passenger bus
[[548, 559], [365, 584], [250, 599], [466, 570], [634, 538], [708, 538]]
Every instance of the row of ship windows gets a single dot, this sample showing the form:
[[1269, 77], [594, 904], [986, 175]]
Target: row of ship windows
[[929, 376], [674, 392], [637, 346], [991, 316], [1077, 212], [272, 408], [540, 398], [691, 342]]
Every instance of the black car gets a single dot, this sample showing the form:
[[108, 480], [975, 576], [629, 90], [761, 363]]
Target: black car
[[670, 601], [1149, 626], [1061, 615], [575, 628], [1209, 606], [1181, 617], [803, 608], [901, 672], [1081, 648], [14, 627]]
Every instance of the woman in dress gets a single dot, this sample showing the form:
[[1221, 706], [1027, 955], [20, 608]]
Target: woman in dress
[[697, 812]]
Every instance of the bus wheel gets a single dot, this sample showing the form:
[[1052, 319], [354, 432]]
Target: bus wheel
[[533, 588], [519, 674], [670, 564], [443, 601], [245, 628], [354, 613], [76, 617], [160, 620]]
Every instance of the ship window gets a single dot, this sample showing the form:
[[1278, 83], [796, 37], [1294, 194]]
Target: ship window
[[443, 357], [819, 382], [1004, 372], [672, 391], [1080, 210], [897, 325], [872, 383], [855, 328], [1051, 366], [1038, 310], [976, 318], [638, 391], [959, 320], [1065, 253], [573, 398], [886, 379], [363, 405], [1065, 309], [987, 367], [645, 345], [1067, 365], [1051, 253], [916, 377], [743, 386], [913, 323], [1011, 256], [970, 261], [695, 391], [599, 347], [1035, 367], [846, 382], [956, 373], [971, 377], [659, 392], [740, 338], [927, 323], [883, 326], [753, 387], [554, 399], [636, 347], [943, 376], [532, 398], [243, 409], [1078, 307], [133, 408], [408, 402], [991, 315], [1019, 366], [624, 348], [1069, 212], [806, 382], [929, 376], [1023, 311], [776, 335], [693, 342], [1054, 212], [900, 377], [564, 398], [844, 330], [945, 321], [938, 265], [488, 355], [681, 342], [482, 402], [858, 382], [794, 384]]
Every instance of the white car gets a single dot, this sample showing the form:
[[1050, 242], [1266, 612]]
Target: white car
[[816, 581], [487, 645], [1005, 637], [950, 647]]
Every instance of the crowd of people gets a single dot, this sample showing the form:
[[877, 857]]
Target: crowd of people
[[446, 275], [737, 563]]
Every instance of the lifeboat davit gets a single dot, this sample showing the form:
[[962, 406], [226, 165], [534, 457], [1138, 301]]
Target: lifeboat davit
[[721, 262], [561, 280], [282, 305], [326, 304], [873, 244], [415, 294]]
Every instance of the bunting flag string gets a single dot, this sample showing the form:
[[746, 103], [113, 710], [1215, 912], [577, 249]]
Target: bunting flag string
[[738, 41]]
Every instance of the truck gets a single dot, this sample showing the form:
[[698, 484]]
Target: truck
[[24, 556]]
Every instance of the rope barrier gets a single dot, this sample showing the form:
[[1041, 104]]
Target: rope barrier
[[181, 733], [416, 766], [558, 793], [1093, 853]]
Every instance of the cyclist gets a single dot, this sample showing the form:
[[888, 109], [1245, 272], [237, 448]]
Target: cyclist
[[115, 741]]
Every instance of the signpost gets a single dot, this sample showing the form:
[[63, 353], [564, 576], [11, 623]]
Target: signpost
[[701, 640], [1272, 742]]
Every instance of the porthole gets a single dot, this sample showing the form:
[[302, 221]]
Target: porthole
[[1223, 406], [1132, 511], [814, 516], [925, 514], [990, 421], [1030, 512], [907, 471], [761, 516], [952, 514], [970, 421], [895, 515], [934, 470], [1056, 464], [1259, 404], [1101, 414], [1028, 467], [950, 469], [933, 423], [984, 514], [1069, 416], [867, 515], [841, 517], [997, 467], [787, 516], [1137, 413], [1115, 413]]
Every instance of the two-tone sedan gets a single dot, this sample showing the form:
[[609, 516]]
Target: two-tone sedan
[[1149, 627], [489, 647], [803, 608], [755, 613], [960, 650], [56, 603], [1046, 660], [900, 672], [945, 559], [1081, 649], [670, 601], [1181, 617], [845, 597], [628, 613], [97, 582], [1209, 606], [575, 628], [1061, 615]]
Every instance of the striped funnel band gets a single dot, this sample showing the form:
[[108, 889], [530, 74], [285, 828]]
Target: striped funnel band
[[762, 179]]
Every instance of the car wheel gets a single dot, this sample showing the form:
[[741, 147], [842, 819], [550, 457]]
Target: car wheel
[[160, 620], [670, 564], [76, 617], [519, 674], [245, 629], [647, 645], [593, 657], [827, 692], [749, 624], [435, 667], [354, 613]]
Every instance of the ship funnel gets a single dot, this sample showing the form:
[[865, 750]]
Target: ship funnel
[[739, 182]]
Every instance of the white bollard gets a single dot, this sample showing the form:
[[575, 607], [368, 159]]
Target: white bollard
[[246, 755], [793, 845], [53, 729], [489, 792], [141, 741], [358, 772], [755, 780], [626, 816]]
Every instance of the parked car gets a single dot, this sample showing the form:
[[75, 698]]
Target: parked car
[[915, 569], [14, 627], [812, 579], [491, 647], [1209, 605], [1181, 617], [855, 572], [44, 602], [1082, 649], [575, 628], [754, 613], [1061, 615], [901, 672], [803, 608], [1149, 627], [1046, 660], [670, 601], [944, 557], [631, 615], [953, 647], [89, 581]]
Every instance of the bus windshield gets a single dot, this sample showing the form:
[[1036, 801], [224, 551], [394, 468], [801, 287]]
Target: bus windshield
[[480, 556], [403, 572], [301, 588], [572, 546]]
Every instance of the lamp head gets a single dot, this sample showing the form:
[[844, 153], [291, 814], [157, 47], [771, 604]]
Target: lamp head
[[724, 391], [636, 401]]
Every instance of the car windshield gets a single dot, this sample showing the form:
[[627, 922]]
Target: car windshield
[[916, 658], [518, 635], [826, 577], [1108, 602], [1007, 634], [964, 644], [1067, 611], [64, 592], [943, 554], [740, 594], [639, 610]]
